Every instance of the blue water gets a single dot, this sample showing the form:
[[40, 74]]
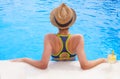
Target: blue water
[[24, 23]]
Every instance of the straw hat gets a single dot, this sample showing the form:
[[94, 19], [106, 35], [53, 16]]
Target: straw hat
[[63, 16]]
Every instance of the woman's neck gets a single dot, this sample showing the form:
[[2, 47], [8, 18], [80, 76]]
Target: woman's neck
[[63, 31]]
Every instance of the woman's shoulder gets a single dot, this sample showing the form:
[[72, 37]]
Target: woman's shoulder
[[50, 35], [77, 36], [54, 36]]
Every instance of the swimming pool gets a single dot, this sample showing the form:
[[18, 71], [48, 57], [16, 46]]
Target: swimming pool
[[24, 23]]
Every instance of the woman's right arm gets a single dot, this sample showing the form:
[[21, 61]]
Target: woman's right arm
[[85, 64]]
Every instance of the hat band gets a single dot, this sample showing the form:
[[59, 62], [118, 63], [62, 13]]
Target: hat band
[[63, 25]]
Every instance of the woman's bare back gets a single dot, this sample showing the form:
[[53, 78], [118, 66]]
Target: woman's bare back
[[57, 45]]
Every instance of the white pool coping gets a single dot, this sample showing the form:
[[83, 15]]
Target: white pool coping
[[58, 70]]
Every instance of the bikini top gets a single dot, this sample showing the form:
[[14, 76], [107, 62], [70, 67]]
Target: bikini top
[[64, 53]]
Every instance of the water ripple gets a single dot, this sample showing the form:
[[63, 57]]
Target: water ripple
[[25, 21]]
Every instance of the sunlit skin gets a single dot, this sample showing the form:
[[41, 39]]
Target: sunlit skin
[[52, 44]]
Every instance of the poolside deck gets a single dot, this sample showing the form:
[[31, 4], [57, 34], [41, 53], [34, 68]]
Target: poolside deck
[[58, 70]]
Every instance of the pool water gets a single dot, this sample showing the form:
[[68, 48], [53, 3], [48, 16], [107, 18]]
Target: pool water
[[24, 23]]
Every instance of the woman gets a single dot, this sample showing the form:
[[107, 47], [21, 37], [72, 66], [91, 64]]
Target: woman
[[63, 46]]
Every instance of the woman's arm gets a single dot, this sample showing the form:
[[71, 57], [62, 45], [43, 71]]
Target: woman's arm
[[85, 64], [43, 63]]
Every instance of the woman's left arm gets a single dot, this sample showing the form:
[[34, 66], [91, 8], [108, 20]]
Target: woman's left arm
[[43, 63]]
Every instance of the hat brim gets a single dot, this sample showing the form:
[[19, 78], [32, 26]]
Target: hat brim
[[52, 19]]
